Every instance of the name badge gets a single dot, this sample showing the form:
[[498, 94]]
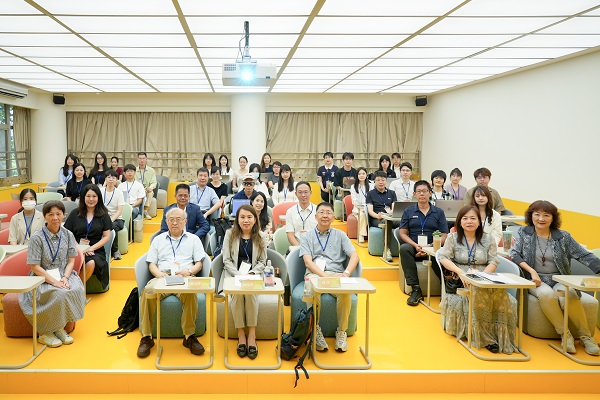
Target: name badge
[[245, 268], [321, 263], [84, 242], [422, 240], [175, 266]]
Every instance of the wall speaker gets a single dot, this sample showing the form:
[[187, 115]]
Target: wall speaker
[[58, 98], [421, 101]]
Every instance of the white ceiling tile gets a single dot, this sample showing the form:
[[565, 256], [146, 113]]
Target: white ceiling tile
[[524, 8], [40, 39], [150, 52], [171, 77], [214, 25], [29, 24], [167, 70], [320, 69], [277, 89], [56, 52], [474, 70], [580, 25], [137, 40], [364, 25], [256, 40], [98, 61], [327, 62], [481, 61], [102, 77], [244, 7], [109, 7], [21, 68], [388, 7], [256, 53], [159, 62], [516, 52], [407, 89], [241, 89], [378, 69], [350, 90], [413, 62], [89, 69], [457, 40], [128, 24], [595, 12], [540, 40], [344, 52], [479, 26], [390, 75], [311, 77], [432, 52], [16, 7], [386, 41]]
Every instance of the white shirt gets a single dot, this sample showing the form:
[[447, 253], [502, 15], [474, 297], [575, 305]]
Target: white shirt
[[132, 191], [404, 191], [284, 195], [294, 219], [359, 198], [495, 228], [186, 250], [112, 200], [204, 198]]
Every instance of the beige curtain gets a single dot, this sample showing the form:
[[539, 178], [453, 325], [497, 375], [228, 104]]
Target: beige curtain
[[175, 142], [22, 134], [300, 139]]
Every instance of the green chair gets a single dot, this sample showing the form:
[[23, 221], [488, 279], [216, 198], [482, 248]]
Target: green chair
[[47, 196], [123, 234], [93, 285], [280, 241]]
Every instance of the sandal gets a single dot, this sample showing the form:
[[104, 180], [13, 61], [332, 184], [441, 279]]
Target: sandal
[[252, 352], [242, 350]]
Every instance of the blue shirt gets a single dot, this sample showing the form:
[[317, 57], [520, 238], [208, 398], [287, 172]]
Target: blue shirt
[[412, 219], [196, 223], [205, 198], [242, 195]]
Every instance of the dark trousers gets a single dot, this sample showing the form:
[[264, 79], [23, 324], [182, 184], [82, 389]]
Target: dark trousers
[[118, 225], [409, 264], [325, 197]]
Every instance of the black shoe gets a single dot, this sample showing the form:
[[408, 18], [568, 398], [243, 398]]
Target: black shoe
[[145, 345], [194, 345], [415, 296], [252, 352], [494, 348], [242, 350]]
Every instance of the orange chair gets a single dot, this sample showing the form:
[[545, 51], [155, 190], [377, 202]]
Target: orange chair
[[279, 210], [15, 323], [4, 236], [352, 222], [10, 208]]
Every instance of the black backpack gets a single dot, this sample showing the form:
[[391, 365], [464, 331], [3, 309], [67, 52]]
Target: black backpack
[[299, 334], [221, 226], [130, 316]]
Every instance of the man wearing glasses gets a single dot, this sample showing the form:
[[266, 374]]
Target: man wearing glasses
[[301, 217], [324, 251], [248, 184], [196, 223], [173, 252], [416, 228]]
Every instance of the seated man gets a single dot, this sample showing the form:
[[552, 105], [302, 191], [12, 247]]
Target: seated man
[[248, 183], [482, 177], [438, 179], [380, 201], [404, 187], [301, 217], [324, 252], [416, 228], [133, 191], [195, 221], [203, 195], [182, 253]]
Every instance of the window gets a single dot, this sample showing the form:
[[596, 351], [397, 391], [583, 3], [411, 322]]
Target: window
[[8, 158]]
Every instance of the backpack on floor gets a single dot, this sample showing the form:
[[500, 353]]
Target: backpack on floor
[[221, 226], [300, 333], [130, 316]]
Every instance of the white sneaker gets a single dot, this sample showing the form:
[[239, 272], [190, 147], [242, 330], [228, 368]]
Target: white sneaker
[[361, 239], [388, 255], [590, 345], [320, 340], [340, 341], [49, 340], [146, 215], [64, 337], [570, 343]]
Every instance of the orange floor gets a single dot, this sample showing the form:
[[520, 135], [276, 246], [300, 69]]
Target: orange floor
[[410, 353]]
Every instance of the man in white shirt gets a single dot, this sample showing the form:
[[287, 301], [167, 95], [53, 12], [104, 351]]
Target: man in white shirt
[[174, 252], [113, 201], [133, 191], [147, 177], [301, 217], [204, 196], [404, 187]]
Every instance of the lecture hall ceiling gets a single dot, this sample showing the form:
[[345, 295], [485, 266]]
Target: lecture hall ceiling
[[318, 46]]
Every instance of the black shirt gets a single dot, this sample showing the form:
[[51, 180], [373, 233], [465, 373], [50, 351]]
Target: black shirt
[[245, 252], [73, 189], [415, 222], [343, 177], [221, 191], [381, 200], [327, 175]]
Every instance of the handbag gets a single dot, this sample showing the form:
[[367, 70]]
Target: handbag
[[452, 281]]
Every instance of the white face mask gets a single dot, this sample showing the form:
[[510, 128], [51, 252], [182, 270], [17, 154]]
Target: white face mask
[[255, 175], [29, 204]]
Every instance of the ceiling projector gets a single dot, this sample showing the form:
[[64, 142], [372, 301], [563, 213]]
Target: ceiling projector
[[249, 74]]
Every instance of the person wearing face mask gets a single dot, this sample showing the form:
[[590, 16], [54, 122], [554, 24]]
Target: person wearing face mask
[[27, 222], [260, 186]]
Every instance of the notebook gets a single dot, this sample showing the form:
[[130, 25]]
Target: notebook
[[450, 207], [236, 204], [265, 176], [174, 280]]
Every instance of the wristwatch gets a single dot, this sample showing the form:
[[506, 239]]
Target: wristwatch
[[190, 271], [346, 272]]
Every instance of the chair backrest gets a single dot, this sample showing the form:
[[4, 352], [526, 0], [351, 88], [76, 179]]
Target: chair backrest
[[143, 275], [229, 185], [155, 234], [217, 270], [47, 196], [348, 204], [213, 242], [278, 261], [126, 214], [4, 236], [78, 263], [280, 241], [443, 284], [107, 247], [10, 208], [2, 254], [297, 268], [163, 181], [70, 206], [15, 265], [505, 265], [54, 184], [279, 210]]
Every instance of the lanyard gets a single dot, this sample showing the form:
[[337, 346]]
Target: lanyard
[[54, 255], [284, 193], [423, 222], [98, 176], [69, 177], [406, 189], [142, 172], [199, 197], [111, 197], [456, 195], [471, 251], [319, 240], [364, 193], [128, 188], [88, 227], [246, 249], [303, 219], [28, 226], [78, 186], [380, 198], [175, 248]]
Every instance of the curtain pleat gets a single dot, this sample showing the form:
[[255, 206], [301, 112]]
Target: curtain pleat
[[22, 134]]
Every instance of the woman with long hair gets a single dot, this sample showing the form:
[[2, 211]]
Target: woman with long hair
[[77, 183], [99, 169], [244, 252], [66, 171], [114, 165], [494, 310], [265, 163], [208, 161], [285, 190], [490, 218], [236, 176], [358, 193], [91, 225], [259, 202], [224, 165], [26, 222], [385, 165]]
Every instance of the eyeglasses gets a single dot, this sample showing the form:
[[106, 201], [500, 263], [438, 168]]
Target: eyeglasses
[[423, 191], [302, 192], [178, 220], [328, 213], [248, 183]]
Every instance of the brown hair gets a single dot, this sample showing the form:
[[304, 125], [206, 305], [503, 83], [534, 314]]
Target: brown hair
[[544, 206], [483, 171], [489, 207], [49, 205], [236, 231], [460, 233]]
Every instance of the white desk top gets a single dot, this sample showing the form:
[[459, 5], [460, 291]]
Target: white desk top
[[362, 285], [575, 282], [3, 216], [161, 287], [482, 283], [388, 217], [20, 284], [230, 288], [15, 248], [429, 250], [512, 218]]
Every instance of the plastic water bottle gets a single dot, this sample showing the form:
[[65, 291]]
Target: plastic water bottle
[[308, 290], [269, 274]]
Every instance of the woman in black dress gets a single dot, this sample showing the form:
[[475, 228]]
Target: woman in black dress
[[77, 183], [91, 225]]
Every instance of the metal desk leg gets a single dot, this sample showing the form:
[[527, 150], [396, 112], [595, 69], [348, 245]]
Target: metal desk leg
[[387, 230], [428, 302]]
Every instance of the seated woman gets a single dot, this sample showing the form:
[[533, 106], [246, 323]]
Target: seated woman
[[494, 310], [438, 177], [66, 171], [28, 221], [236, 176], [385, 165], [99, 169], [265, 164], [219, 187], [285, 189], [91, 225], [359, 191], [208, 161], [244, 251], [114, 165], [259, 202], [79, 181], [454, 186], [61, 298], [491, 219], [260, 186], [541, 249]]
